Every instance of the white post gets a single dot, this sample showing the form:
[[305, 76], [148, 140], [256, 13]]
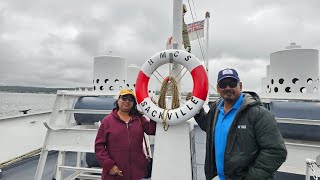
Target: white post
[[177, 23], [41, 163], [307, 172], [206, 56], [207, 43], [172, 153], [177, 36], [60, 162], [79, 155], [308, 161]]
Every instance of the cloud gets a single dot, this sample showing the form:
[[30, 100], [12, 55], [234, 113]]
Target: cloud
[[53, 43]]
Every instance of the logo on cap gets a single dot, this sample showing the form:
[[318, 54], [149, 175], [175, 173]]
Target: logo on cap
[[227, 71]]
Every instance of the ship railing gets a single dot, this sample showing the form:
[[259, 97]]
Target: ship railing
[[286, 120], [87, 111], [63, 109], [310, 168], [299, 121], [64, 134], [77, 139], [266, 99], [85, 173]]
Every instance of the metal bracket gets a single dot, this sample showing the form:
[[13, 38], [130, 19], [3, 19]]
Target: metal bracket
[[170, 57], [175, 45]]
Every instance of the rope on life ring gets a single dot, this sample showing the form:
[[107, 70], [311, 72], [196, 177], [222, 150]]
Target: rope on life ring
[[175, 102], [174, 92], [192, 106]]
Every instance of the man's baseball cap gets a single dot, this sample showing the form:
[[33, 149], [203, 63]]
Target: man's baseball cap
[[228, 73], [126, 91]]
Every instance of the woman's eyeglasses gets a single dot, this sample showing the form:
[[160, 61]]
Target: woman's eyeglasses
[[125, 98], [224, 84]]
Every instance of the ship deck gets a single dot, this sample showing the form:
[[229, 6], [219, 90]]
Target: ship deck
[[26, 169]]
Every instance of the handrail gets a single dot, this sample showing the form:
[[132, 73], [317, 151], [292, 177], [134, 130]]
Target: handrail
[[88, 111], [84, 93], [308, 144], [72, 168], [298, 121], [24, 115], [79, 172], [310, 171]]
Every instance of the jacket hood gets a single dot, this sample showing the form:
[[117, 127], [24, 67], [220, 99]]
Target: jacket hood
[[251, 98]]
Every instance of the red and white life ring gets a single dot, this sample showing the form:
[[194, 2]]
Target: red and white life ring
[[200, 86]]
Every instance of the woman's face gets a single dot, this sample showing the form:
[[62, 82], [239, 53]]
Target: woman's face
[[125, 102]]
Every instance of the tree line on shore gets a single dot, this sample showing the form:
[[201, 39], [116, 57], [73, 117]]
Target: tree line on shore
[[44, 90], [27, 89]]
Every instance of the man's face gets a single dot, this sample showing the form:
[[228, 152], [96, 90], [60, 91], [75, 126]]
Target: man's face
[[229, 89]]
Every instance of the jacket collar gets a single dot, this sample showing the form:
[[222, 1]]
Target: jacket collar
[[250, 98], [114, 113]]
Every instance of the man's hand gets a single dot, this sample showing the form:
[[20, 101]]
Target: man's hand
[[189, 96], [115, 171]]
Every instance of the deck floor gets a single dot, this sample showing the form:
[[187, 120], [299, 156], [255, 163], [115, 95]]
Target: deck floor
[[26, 170]]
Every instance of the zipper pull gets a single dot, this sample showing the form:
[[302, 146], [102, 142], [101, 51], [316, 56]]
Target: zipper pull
[[127, 123]]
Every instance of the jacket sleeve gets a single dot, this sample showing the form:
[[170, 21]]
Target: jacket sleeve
[[271, 144], [149, 127], [201, 119], [100, 149]]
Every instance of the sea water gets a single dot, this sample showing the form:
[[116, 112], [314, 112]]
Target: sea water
[[12, 103]]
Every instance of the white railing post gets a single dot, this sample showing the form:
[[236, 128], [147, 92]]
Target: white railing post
[[309, 166], [307, 169]]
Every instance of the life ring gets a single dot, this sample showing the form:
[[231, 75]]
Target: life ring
[[200, 86]]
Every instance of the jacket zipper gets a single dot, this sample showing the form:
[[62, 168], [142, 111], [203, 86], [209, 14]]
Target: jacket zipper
[[235, 121], [212, 125], [228, 147], [128, 132], [127, 124]]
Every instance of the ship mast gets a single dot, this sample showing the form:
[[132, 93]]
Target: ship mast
[[206, 60], [177, 37], [172, 148]]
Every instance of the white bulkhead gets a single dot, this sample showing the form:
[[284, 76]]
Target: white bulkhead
[[109, 74], [292, 71]]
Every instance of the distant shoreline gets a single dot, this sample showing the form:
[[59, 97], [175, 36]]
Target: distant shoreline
[[3, 92], [27, 89], [43, 90]]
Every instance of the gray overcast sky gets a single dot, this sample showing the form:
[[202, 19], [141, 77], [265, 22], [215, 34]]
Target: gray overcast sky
[[51, 43]]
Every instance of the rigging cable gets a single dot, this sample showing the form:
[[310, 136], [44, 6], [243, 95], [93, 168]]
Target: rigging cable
[[200, 43], [195, 14], [201, 48]]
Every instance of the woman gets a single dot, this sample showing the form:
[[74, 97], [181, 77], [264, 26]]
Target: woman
[[118, 145]]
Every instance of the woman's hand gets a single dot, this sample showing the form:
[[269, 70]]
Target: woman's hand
[[115, 171]]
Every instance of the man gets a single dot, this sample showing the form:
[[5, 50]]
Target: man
[[243, 141]]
